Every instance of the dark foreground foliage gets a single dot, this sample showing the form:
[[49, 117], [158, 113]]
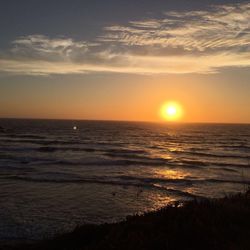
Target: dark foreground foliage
[[204, 224]]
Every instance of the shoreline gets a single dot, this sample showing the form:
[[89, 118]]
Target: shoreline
[[222, 223]]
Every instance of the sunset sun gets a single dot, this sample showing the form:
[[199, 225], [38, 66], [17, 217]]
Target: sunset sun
[[171, 111]]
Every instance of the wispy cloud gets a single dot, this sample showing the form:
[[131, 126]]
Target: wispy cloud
[[43, 47], [180, 42], [222, 27]]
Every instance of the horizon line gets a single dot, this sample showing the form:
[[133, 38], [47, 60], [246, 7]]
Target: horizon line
[[132, 121]]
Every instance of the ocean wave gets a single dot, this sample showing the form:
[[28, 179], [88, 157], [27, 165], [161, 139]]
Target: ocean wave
[[214, 155], [73, 149], [240, 147], [102, 182], [125, 151], [129, 181], [126, 181], [119, 160], [24, 136], [109, 152], [227, 169], [105, 162], [136, 156], [41, 142], [182, 181]]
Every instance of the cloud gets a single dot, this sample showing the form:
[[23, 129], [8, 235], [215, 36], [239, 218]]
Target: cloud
[[222, 28], [42, 47], [180, 42]]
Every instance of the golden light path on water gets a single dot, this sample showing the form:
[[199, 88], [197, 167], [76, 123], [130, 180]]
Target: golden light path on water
[[158, 199], [171, 174]]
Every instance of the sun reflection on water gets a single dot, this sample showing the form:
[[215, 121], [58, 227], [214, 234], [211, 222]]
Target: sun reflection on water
[[171, 174]]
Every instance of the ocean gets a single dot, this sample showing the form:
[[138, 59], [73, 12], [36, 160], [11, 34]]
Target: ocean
[[55, 174]]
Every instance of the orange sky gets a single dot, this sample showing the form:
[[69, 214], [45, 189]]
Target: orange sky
[[204, 98]]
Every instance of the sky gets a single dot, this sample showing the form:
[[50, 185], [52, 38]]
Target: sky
[[122, 60]]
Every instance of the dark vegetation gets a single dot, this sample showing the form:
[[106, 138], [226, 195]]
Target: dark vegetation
[[198, 224]]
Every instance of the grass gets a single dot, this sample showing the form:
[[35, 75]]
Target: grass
[[198, 224]]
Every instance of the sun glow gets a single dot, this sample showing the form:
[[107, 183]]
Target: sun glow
[[171, 111]]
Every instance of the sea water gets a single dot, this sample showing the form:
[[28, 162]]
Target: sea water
[[55, 175]]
